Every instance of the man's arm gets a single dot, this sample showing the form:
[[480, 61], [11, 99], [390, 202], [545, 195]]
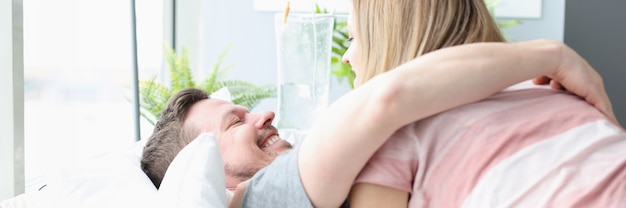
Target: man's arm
[[342, 139]]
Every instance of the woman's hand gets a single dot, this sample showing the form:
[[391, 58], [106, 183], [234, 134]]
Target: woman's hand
[[236, 200], [575, 75]]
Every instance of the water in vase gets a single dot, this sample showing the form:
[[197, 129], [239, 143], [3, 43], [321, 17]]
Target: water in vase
[[303, 46]]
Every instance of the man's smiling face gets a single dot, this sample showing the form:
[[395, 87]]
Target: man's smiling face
[[248, 141]]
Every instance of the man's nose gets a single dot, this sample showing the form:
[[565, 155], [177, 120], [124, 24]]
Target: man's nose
[[265, 119]]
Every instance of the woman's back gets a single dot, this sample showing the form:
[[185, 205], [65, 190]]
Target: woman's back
[[525, 147]]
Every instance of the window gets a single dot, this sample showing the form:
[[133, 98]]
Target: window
[[340, 6], [77, 77], [504, 9]]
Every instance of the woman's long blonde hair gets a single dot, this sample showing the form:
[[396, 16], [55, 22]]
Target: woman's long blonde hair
[[392, 32]]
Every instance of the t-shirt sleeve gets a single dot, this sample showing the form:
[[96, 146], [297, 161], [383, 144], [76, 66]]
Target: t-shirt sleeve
[[395, 163], [277, 185]]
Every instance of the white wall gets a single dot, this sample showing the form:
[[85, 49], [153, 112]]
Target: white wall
[[550, 25], [252, 34], [12, 93]]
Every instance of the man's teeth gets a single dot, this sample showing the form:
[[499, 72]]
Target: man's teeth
[[271, 141]]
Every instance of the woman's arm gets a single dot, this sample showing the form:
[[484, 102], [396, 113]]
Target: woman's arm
[[235, 201], [343, 138]]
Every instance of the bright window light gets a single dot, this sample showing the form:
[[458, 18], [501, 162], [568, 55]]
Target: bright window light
[[77, 57]]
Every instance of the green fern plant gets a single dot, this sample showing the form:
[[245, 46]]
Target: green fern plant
[[501, 24], [153, 96], [343, 72]]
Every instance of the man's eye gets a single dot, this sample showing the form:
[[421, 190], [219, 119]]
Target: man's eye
[[350, 39], [235, 122]]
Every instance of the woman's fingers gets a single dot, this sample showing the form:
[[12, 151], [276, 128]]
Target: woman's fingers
[[541, 80]]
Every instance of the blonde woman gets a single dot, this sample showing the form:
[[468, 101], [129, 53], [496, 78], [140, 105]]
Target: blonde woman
[[321, 170], [527, 146], [411, 28]]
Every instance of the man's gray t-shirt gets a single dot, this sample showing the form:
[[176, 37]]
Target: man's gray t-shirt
[[277, 185]]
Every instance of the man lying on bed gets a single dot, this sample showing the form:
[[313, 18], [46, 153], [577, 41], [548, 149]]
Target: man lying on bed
[[322, 169]]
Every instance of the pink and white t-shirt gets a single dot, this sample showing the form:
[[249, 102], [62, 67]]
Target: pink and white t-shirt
[[522, 148]]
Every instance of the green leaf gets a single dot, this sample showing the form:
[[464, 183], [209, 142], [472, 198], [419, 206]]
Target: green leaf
[[148, 116], [338, 51], [501, 25], [153, 96], [252, 97], [209, 83], [510, 23], [343, 72], [180, 73], [492, 3]]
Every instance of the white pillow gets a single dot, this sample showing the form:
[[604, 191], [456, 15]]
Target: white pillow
[[222, 94], [196, 177], [113, 180]]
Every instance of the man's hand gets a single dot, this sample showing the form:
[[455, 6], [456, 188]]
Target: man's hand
[[575, 75]]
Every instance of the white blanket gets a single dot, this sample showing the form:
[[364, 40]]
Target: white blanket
[[19, 201]]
